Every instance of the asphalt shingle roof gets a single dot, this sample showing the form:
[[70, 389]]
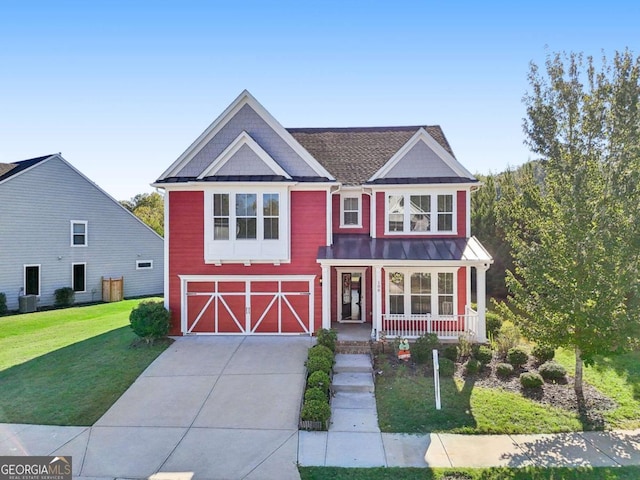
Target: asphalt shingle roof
[[10, 169], [353, 155]]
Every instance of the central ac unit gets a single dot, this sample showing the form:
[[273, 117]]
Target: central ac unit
[[27, 303]]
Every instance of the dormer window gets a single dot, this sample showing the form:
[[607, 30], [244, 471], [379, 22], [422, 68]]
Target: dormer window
[[420, 214], [350, 215]]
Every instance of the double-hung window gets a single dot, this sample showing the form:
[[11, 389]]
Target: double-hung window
[[420, 214], [271, 215], [350, 211], [78, 233], [414, 292], [246, 216], [221, 216]]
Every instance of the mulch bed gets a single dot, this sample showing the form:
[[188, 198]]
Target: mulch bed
[[560, 395]]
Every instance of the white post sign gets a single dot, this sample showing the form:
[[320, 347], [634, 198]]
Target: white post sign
[[436, 378]]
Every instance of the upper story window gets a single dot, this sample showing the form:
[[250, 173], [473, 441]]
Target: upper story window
[[350, 215], [420, 214], [78, 233], [249, 223]]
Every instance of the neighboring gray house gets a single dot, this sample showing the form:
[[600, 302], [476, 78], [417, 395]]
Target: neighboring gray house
[[59, 229]]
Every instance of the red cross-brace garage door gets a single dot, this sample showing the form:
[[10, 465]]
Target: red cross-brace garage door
[[246, 305]]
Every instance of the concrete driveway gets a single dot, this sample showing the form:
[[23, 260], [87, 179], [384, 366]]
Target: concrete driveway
[[209, 407]]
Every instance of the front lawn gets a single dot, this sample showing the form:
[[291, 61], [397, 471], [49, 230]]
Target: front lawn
[[498, 473], [405, 400], [67, 367]]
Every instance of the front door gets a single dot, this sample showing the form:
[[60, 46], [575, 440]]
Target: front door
[[351, 297]]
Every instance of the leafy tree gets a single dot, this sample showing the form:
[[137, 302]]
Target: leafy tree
[[148, 207], [574, 235]]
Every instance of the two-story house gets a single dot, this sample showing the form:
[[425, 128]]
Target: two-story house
[[284, 231]]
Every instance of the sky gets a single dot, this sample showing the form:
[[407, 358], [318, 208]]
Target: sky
[[122, 88]]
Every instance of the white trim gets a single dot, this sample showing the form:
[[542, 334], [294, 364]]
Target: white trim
[[166, 250], [86, 232], [373, 215], [467, 210], [400, 263], [326, 297], [344, 195], [84, 290], [363, 293], [433, 213], [245, 98], [241, 140], [422, 136], [24, 278], [138, 262], [329, 216]]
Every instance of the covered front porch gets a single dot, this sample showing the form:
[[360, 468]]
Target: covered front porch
[[416, 286]]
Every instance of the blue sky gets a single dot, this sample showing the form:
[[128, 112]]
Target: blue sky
[[122, 88]]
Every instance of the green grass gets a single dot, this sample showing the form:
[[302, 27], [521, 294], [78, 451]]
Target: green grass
[[501, 473], [67, 367], [406, 405], [618, 377]]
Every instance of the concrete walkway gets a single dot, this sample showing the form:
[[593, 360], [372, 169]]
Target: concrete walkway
[[208, 407]]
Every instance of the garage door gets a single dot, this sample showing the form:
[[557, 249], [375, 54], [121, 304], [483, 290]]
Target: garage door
[[247, 305]]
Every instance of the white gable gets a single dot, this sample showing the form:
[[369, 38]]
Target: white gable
[[245, 114], [422, 156], [244, 157]]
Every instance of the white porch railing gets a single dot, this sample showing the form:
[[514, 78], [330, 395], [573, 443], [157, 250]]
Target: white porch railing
[[447, 327]]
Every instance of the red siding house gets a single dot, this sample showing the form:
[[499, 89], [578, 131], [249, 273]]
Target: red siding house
[[284, 231]]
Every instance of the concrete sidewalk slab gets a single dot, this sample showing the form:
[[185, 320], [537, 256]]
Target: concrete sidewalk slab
[[482, 451], [354, 420], [404, 450], [312, 448], [269, 354], [130, 452], [436, 455], [354, 449], [280, 465], [559, 450], [253, 401], [194, 356], [160, 402], [76, 449], [623, 447], [224, 453], [10, 429], [38, 439]]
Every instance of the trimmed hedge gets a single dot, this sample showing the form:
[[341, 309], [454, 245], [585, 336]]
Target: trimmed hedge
[[321, 351], [320, 380], [472, 366], [422, 349], [543, 353], [447, 367], [484, 354], [552, 371], [318, 363], [3, 303], [327, 338], [504, 370], [531, 380], [316, 411], [64, 297], [450, 352], [150, 320], [315, 393], [517, 357]]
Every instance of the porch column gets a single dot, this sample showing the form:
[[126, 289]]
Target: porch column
[[481, 298], [377, 302], [326, 296]]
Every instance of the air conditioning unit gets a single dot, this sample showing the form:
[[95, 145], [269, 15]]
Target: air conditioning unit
[[27, 303]]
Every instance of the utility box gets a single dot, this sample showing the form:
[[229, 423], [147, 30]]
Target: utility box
[[27, 303]]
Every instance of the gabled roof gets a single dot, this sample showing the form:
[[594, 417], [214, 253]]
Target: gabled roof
[[8, 170], [354, 155]]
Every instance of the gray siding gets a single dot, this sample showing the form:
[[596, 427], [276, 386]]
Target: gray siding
[[249, 121], [245, 162], [37, 208], [421, 161]]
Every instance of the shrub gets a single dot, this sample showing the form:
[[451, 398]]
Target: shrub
[[321, 351], [447, 367], [316, 410], [543, 353], [508, 337], [64, 297], [3, 303], [531, 380], [320, 380], [472, 366], [552, 371], [327, 338], [504, 370], [318, 363], [484, 354], [450, 352], [315, 393], [150, 321], [517, 357], [494, 322], [421, 350]]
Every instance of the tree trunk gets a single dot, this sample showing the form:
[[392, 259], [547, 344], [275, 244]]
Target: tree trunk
[[577, 385]]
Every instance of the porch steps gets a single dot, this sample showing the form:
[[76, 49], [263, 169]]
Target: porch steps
[[353, 408], [353, 347], [353, 373]]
